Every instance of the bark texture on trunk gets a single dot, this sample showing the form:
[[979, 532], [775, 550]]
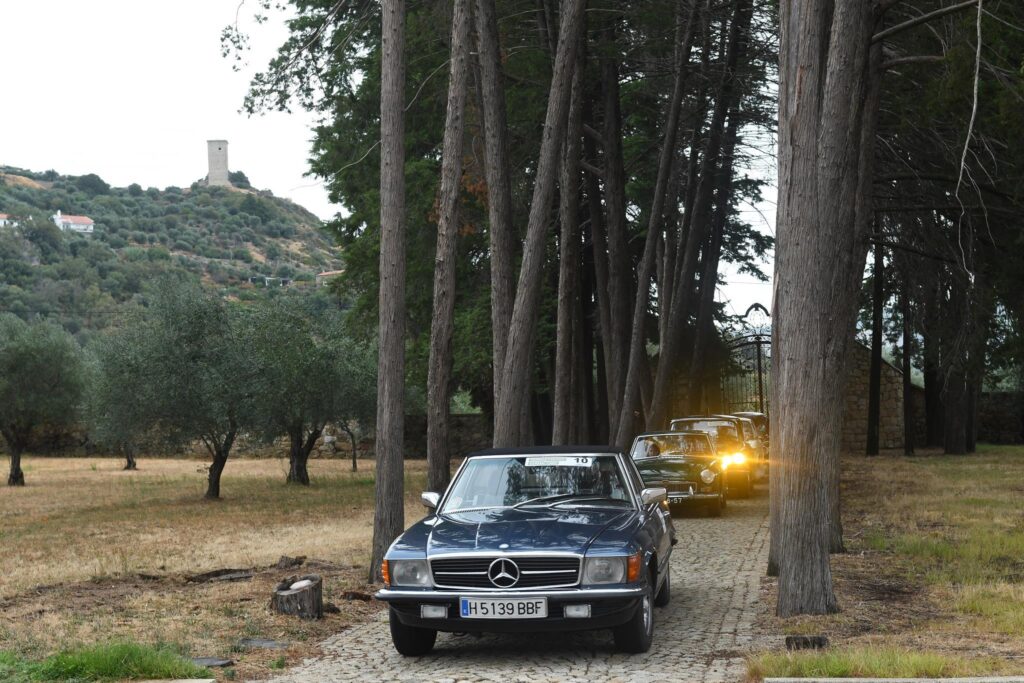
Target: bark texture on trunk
[[352, 442], [934, 412], [875, 375], [499, 184], [625, 425], [908, 386], [219, 448], [709, 277], [301, 445], [954, 399], [697, 221], [442, 325], [16, 477], [827, 104], [516, 373], [620, 271], [389, 509], [17, 441], [129, 458], [565, 397]]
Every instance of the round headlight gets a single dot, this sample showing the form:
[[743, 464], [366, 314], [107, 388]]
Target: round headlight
[[738, 458], [604, 570], [409, 573], [707, 476]]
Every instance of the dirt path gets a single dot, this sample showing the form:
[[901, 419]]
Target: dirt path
[[701, 636]]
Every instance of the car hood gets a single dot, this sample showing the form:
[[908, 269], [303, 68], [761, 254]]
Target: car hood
[[509, 530], [675, 468]]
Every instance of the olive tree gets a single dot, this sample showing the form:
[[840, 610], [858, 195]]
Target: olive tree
[[118, 404], [310, 374], [40, 383], [190, 372]]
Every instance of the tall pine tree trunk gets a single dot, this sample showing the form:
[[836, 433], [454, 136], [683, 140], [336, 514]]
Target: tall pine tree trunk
[[625, 424], [516, 373], [442, 323], [389, 489], [620, 275], [499, 184], [875, 374], [565, 399], [826, 150], [709, 277], [697, 220], [908, 350]]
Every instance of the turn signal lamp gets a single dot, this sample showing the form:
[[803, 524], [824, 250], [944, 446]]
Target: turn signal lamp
[[633, 567], [385, 573]]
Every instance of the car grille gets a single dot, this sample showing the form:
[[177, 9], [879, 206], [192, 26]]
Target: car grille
[[682, 487], [534, 572]]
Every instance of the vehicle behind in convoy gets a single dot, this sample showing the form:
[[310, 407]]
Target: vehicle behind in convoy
[[735, 444], [533, 539], [685, 464], [762, 425]]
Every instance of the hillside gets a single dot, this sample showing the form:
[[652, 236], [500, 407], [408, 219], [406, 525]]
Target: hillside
[[227, 237]]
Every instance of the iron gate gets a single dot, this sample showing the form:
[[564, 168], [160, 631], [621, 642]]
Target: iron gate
[[746, 375]]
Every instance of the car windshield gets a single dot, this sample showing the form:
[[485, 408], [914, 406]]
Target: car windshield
[[682, 443], [528, 481], [722, 432]]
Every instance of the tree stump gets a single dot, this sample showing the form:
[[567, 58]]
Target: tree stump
[[306, 600]]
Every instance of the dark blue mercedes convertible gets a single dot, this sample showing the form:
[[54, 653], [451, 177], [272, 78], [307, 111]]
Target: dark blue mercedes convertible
[[533, 539]]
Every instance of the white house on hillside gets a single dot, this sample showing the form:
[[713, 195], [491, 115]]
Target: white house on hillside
[[7, 221], [79, 224]]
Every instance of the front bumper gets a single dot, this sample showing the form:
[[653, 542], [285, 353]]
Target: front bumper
[[609, 607]]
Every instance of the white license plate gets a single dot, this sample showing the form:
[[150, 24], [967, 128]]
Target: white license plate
[[503, 608]]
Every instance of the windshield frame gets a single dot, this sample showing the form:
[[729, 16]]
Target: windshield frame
[[712, 452], [632, 499]]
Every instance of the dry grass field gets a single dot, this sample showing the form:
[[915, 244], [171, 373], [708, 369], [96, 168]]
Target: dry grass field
[[92, 553], [933, 580]]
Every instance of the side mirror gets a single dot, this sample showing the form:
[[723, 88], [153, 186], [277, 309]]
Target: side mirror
[[430, 499], [653, 495]]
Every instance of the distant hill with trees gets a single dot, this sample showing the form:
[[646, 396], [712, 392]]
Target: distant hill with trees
[[230, 239]]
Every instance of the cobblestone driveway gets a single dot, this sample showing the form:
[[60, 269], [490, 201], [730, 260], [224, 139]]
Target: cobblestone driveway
[[700, 636]]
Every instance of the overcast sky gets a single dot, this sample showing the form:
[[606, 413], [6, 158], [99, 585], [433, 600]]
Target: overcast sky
[[133, 89]]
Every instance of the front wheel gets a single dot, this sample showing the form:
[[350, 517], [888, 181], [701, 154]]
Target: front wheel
[[410, 640], [635, 635]]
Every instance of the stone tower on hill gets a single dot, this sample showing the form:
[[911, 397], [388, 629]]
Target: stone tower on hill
[[218, 154]]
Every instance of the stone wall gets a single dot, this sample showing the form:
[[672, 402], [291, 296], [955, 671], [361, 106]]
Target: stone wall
[[1001, 417], [855, 410], [466, 433]]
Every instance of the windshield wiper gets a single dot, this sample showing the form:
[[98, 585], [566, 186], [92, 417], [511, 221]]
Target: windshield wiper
[[607, 499], [545, 499]]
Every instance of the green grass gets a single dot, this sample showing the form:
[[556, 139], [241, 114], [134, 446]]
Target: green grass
[[1000, 605], [108, 662], [875, 662]]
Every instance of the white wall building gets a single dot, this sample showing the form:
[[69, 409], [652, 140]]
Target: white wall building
[[7, 221], [80, 224]]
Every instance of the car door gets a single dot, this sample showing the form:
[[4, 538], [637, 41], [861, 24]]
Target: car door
[[657, 521]]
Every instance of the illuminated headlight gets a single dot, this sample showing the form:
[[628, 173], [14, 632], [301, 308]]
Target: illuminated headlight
[[738, 458], [409, 572], [707, 476], [597, 570]]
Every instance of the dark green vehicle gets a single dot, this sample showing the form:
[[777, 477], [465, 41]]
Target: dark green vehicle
[[685, 464]]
